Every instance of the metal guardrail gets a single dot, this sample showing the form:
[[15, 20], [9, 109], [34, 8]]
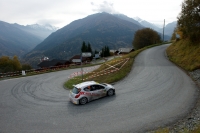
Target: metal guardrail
[[25, 72]]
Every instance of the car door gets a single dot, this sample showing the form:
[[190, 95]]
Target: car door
[[102, 91], [88, 93], [94, 92], [98, 91]]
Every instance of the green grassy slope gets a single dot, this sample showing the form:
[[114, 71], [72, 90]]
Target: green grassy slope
[[185, 54]]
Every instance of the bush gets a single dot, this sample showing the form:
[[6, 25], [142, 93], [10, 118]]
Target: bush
[[9, 65], [26, 67], [145, 37]]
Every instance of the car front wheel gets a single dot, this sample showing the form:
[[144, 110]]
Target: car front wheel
[[83, 101], [110, 92]]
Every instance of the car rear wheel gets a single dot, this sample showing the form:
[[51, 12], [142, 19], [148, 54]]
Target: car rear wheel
[[110, 92], [83, 101]]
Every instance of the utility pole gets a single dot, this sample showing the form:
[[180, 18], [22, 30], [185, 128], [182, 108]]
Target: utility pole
[[164, 31]]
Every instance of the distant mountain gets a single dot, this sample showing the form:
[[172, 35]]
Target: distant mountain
[[40, 31], [46, 27], [99, 29], [169, 28], [147, 24], [124, 17], [17, 40], [14, 41]]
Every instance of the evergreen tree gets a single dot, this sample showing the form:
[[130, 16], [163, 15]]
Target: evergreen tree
[[102, 52], [96, 52], [84, 47], [105, 52], [108, 51], [89, 49]]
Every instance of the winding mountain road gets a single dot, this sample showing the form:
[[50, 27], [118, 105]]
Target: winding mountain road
[[155, 93]]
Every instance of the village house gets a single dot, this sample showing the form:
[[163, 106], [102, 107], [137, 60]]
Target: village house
[[77, 59], [124, 50]]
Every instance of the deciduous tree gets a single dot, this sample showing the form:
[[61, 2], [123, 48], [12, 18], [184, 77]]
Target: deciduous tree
[[9, 65], [145, 37], [26, 67], [189, 20]]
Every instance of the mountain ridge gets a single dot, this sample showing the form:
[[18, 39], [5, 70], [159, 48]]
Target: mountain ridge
[[169, 28], [99, 29], [17, 39]]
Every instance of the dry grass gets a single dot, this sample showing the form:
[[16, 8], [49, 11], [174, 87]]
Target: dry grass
[[185, 54], [164, 130]]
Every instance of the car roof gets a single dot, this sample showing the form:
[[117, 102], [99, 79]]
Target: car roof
[[87, 83]]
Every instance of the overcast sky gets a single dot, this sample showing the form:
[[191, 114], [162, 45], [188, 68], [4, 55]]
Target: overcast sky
[[62, 12]]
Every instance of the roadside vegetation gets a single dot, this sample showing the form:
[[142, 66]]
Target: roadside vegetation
[[145, 37], [185, 53], [8, 64]]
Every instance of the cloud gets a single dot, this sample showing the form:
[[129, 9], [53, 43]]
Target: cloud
[[49, 21], [104, 7]]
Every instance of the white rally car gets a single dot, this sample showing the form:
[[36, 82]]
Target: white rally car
[[90, 90]]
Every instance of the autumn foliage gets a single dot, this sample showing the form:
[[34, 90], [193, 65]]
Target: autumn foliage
[[8, 64], [145, 37], [189, 20]]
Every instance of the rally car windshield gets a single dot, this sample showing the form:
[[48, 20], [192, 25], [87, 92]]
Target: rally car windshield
[[75, 90], [104, 84]]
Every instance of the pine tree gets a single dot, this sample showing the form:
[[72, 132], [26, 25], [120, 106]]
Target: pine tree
[[89, 49], [105, 51], [84, 47], [102, 52], [108, 51]]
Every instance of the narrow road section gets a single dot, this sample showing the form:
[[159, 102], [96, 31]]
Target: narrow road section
[[156, 93]]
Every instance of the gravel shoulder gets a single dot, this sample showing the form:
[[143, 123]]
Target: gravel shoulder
[[192, 121]]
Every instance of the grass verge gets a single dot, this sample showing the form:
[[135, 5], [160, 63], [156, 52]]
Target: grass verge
[[185, 54], [107, 74]]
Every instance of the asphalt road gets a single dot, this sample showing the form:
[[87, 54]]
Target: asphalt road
[[155, 93]]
